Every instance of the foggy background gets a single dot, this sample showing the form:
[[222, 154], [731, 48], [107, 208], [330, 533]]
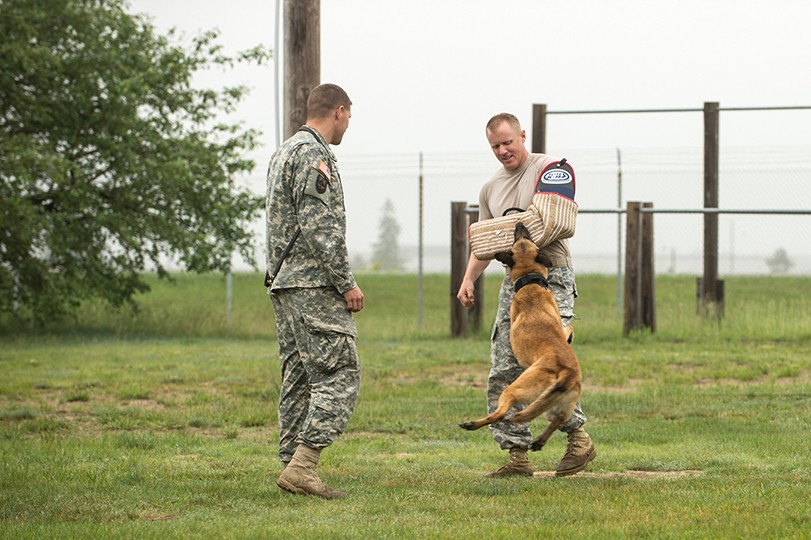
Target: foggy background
[[425, 76]]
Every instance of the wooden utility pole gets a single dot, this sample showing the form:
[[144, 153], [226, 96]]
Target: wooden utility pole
[[302, 59]]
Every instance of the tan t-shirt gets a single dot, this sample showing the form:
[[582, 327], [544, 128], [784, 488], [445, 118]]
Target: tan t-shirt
[[514, 189]]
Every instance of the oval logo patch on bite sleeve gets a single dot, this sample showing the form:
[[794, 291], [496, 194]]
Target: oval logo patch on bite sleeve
[[557, 177]]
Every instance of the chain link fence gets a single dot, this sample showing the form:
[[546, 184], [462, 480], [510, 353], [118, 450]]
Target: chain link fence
[[749, 178], [762, 178]]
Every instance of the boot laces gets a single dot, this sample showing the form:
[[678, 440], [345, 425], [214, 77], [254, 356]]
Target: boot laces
[[576, 442]]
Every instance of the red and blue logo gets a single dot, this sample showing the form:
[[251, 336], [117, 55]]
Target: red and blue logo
[[557, 177]]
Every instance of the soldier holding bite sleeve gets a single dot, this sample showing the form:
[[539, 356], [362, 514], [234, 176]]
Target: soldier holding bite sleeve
[[513, 186], [314, 292]]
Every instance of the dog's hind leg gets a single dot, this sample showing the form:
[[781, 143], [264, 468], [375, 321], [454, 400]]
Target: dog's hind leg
[[557, 416], [521, 390], [504, 403], [540, 441], [557, 391], [536, 408]]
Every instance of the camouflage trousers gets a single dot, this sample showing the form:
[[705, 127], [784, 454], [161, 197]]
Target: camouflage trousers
[[318, 355], [504, 368]]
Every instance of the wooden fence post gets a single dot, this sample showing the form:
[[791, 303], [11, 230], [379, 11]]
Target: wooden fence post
[[539, 128], [710, 298], [463, 319], [459, 259], [648, 272], [475, 312], [631, 296], [640, 293]]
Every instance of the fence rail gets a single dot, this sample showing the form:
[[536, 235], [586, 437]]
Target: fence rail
[[639, 298], [695, 211], [680, 110]]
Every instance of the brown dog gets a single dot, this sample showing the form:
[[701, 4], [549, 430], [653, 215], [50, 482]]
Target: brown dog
[[550, 383]]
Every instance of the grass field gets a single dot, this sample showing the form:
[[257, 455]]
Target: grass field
[[161, 423]]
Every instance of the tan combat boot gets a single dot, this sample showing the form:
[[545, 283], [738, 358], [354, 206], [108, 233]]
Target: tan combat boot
[[300, 477], [517, 466], [578, 454]]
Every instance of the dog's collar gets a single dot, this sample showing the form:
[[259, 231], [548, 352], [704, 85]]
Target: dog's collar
[[526, 279]]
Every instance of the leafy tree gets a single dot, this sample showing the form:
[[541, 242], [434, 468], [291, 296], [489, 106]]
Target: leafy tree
[[110, 159], [779, 262], [386, 251]]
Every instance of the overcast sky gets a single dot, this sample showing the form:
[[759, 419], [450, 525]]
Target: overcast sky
[[425, 76], [429, 73]]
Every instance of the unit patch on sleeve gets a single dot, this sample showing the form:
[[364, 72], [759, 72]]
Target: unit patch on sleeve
[[319, 182], [323, 180]]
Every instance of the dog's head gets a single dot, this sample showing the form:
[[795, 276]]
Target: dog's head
[[525, 257]]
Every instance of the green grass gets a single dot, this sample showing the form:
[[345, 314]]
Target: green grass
[[162, 423]]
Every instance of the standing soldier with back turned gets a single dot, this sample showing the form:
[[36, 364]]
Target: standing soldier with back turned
[[313, 292]]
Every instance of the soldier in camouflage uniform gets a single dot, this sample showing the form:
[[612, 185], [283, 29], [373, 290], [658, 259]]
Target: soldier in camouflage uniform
[[314, 293], [513, 187]]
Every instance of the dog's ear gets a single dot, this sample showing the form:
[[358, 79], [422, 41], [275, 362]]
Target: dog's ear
[[543, 259], [505, 257]]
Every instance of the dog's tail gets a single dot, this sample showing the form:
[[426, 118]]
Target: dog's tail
[[564, 393]]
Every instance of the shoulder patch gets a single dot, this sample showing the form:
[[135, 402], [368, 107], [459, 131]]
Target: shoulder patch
[[324, 169], [324, 177], [319, 181]]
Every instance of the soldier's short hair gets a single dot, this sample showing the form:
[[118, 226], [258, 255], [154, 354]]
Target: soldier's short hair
[[496, 121], [324, 99]]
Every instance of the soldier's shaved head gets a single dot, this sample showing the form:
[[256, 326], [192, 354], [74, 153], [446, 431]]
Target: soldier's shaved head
[[324, 99], [498, 119]]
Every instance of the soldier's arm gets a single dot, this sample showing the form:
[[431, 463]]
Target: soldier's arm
[[319, 221]]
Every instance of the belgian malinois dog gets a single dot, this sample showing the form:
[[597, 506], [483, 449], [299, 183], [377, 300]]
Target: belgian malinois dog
[[550, 383]]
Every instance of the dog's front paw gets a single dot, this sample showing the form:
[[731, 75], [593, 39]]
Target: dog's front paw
[[470, 426]]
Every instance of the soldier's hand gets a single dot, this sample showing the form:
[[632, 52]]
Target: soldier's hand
[[465, 295], [354, 299]]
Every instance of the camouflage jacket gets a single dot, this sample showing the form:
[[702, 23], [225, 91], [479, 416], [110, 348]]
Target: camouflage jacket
[[304, 191]]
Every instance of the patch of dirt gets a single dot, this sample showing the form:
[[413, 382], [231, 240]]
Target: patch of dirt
[[804, 377], [713, 383], [643, 475], [145, 404], [630, 386], [473, 376]]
